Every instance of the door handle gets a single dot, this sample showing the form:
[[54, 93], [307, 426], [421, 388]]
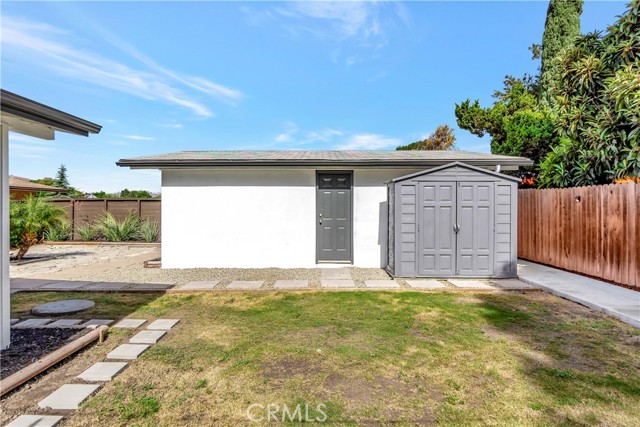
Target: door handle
[[320, 222], [456, 228]]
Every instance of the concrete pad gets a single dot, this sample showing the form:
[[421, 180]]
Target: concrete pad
[[13, 321], [335, 274], [102, 371], [150, 286], [63, 307], [67, 285], [511, 284], [381, 284], [147, 337], [68, 396], [96, 322], [31, 323], [26, 284], [35, 421], [337, 284], [127, 351], [426, 284], [106, 286], [245, 284], [199, 286], [163, 324], [62, 323], [291, 284], [130, 323], [469, 284]]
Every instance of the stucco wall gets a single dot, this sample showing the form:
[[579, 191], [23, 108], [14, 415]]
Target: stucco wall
[[264, 217]]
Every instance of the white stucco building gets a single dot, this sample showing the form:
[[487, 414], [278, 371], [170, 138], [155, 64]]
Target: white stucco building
[[286, 208]]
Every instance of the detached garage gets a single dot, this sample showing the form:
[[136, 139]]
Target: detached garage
[[301, 209], [453, 220]]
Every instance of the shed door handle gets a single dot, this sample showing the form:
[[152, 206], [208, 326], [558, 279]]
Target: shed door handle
[[320, 219], [456, 228]]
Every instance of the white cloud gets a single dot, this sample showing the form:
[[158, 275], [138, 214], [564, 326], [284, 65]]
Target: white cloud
[[139, 137], [172, 125], [44, 46], [368, 141]]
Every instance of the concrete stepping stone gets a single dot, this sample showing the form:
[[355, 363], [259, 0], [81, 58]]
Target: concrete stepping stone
[[470, 284], [163, 324], [13, 321], [106, 286], [127, 351], [130, 323], [335, 274], [63, 307], [96, 322], [151, 286], [291, 284], [336, 284], [68, 396], [426, 284], [32, 323], [245, 284], [512, 284], [35, 421], [147, 337], [26, 284], [102, 371], [381, 284], [65, 285], [62, 323], [199, 286]]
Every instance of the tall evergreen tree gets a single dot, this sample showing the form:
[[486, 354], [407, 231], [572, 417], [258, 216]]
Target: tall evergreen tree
[[561, 29], [62, 180]]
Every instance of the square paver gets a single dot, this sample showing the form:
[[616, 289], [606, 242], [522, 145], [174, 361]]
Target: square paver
[[469, 284], [130, 323], [381, 284], [336, 284], [68, 396], [511, 284], [200, 286], [147, 337], [291, 284], [127, 351], [245, 284], [35, 421], [426, 284], [163, 324], [102, 371], [106, 286], [32, 323], [25, 283], [96, 322], [335, 274], [64, 322], [65, 285], [151, 286]]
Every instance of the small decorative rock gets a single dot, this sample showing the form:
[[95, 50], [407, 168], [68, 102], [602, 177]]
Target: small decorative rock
[[63, 307]]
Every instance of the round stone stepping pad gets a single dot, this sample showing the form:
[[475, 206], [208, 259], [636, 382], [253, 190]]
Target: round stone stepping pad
[[66, 306], [35, 421]]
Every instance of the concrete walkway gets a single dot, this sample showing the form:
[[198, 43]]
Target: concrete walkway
[[616, 301]]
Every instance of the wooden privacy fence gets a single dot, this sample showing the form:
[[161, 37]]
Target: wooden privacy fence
[[83, 211], [592, 230]]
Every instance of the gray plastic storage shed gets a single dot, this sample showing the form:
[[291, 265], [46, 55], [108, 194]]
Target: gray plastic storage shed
[[453, 220]]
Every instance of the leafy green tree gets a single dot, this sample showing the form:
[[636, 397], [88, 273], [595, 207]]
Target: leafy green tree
[[135, 194], [598, 113], [515, 122], [442, 138], [29, 219], [561, 29], [62, 180]]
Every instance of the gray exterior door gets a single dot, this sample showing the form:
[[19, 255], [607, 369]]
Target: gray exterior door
[[334, 217], [436, 237], [475, 225]]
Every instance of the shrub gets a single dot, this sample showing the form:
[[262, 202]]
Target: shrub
[[87, 232], [149, 230], [29, 219], [59, 232], [119, 231]]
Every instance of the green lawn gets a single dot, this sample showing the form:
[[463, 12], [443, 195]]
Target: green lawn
[[378, 358]]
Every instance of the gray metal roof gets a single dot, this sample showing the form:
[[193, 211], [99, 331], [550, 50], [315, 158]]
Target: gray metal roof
[[320, 158]]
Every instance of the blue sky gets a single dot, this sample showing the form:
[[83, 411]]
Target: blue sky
[[164, 76]]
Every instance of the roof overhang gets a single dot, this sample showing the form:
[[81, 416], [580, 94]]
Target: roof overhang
[[28, 117]]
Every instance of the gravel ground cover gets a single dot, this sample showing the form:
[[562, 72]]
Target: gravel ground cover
[[29, 345]]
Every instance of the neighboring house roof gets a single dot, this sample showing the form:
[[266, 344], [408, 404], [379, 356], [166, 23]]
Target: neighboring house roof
[[321, 158], [20, 113], [24, 184]]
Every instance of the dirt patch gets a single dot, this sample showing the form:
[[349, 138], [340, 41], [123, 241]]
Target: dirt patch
[[470, 300], [288, 367]]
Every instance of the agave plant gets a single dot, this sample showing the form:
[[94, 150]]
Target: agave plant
[[87, 232], [119, 231], [29, 220], [58, 232], [149, 230]]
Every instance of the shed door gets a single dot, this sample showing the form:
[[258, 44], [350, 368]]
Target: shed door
[[436, 237], [475, 225], [334, 217]]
